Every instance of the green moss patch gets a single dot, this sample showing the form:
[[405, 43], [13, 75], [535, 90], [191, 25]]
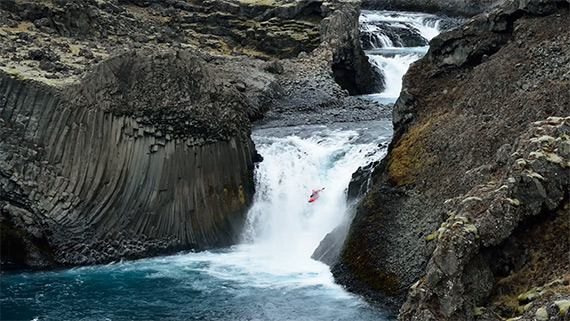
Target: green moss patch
[[409, 156]]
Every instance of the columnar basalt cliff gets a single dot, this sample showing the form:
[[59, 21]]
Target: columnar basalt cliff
[[148, 153], [470, 206]]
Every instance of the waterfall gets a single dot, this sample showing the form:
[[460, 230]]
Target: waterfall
[[392, 41], [296, 161], [282, 224]]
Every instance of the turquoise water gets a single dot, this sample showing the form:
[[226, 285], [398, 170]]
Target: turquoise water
[[192, 286], [269, 277]]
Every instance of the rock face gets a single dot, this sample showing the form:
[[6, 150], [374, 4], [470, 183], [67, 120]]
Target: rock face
[[454, 7], [478, 164], [477, 241], [148, 153], [339, 33]]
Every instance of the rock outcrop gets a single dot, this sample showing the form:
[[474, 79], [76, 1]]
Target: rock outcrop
[[148, 153], [263, 29], [478, 242], [468, 160]]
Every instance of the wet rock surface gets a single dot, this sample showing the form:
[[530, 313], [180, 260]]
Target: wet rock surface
[[88, 176], [400, 36], [466, 143]]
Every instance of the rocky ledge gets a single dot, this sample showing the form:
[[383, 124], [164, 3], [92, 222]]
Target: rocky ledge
[[468, 216]]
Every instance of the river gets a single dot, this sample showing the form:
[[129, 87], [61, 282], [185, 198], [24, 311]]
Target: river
[[270, 275]]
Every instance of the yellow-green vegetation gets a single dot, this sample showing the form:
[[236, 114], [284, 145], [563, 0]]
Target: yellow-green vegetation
[[546, 271], [405, 157], [563, 306], [17, 75], [513, 201], [232, 197], [432, 236], [541, 314], [300, 36], [451, 223], [22, 27], [409, 157], [260, 2], [240, 194], [478, 311], [224, 203]]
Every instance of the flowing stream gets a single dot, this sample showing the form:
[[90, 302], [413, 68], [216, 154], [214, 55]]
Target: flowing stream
[[270, 276]]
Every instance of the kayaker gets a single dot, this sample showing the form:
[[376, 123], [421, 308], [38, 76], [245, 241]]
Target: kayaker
[[316, 192]]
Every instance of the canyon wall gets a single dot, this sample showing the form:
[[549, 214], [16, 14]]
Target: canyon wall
[[470, 209], [125, 124]]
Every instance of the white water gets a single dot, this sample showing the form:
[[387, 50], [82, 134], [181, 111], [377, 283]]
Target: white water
[[269, 277], [282, 223], [391, 60]]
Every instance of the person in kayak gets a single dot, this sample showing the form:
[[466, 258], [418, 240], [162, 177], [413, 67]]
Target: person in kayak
[[316, 192]]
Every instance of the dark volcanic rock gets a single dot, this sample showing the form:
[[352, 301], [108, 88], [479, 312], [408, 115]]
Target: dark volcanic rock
[[125, 124], [350, 66], [147, 154], [452, 187], [535, 183], [360, 181]]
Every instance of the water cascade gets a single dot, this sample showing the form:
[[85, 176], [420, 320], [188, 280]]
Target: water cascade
[[392, 41]]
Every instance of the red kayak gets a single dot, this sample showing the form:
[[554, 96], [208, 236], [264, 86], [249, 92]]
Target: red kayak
[[315, 195], [313, 198]]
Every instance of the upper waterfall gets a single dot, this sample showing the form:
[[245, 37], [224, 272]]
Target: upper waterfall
[[392, 41]]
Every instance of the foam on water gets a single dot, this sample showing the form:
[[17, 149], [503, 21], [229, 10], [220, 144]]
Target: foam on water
[[426, 24], [271, 275]]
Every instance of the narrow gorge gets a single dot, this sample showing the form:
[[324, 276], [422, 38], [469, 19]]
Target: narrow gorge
[[156, 158]]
